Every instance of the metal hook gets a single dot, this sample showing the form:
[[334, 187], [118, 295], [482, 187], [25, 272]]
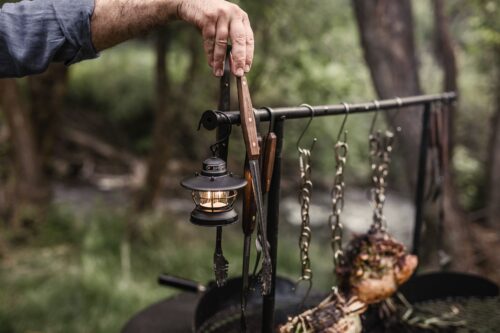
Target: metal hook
[[272, 118], [377, 107], [346, 106], [214, 147], [308, 291], [306, 128]]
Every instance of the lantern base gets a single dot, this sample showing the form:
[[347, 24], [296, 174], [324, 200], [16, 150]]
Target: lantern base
[[204, 219]]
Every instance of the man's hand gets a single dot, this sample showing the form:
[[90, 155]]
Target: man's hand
[[220, 21]]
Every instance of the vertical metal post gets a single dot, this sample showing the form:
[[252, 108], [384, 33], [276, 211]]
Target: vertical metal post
[[224, 105], [421, 178], [272, 228]]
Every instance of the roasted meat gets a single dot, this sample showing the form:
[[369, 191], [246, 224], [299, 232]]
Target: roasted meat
[[375, 266]]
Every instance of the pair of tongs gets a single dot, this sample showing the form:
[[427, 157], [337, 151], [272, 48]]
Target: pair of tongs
[[249, 127], [249, 213]]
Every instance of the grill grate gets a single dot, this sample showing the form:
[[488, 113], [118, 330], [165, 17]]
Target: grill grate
[[450, 315], [469, 315], [479, 315]]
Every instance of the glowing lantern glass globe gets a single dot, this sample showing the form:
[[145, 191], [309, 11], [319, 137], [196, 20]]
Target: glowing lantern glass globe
[[214, 191]]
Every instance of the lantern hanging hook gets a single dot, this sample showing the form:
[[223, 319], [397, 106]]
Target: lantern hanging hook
[[306, 128], [272, 118], [215, 147]]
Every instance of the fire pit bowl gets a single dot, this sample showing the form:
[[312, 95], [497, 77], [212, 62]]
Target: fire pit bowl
[[475, 298]]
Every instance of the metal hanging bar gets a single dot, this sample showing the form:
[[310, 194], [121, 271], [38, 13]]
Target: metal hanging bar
[[211, 120]]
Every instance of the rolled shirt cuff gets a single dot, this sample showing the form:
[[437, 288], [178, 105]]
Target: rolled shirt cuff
[[74, 19]]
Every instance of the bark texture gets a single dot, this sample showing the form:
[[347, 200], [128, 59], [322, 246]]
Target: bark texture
[[387, 38], [458, 235], [158, 155], [30, 190], [47, 93]]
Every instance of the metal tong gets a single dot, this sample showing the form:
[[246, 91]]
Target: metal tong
[[250, 136], [249, 213]]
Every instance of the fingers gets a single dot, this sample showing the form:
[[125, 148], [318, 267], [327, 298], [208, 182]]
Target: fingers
[[220, 46], [238, 36], [220, 21], [249, 44], [208, 34]]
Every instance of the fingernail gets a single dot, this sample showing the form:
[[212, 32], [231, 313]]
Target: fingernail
[[218, 72], [247, 68], [239, 72]]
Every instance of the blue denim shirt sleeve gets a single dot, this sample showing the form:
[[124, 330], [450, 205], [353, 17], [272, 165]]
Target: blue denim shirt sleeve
[[34, 33]]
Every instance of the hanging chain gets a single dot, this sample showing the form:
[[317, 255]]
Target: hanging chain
[[305, 201], [380, 159], [337, 195]]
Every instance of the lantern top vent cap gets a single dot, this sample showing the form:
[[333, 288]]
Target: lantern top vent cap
[[214, 177], [214, 167]]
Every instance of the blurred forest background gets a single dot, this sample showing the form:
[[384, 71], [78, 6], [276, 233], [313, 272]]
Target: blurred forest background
[[91, 156]]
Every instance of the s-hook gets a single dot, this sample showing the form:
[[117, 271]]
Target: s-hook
[[347, 108], [337, 195], [306, 187]]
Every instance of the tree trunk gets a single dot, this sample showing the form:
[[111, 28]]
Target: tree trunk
[[445, 55], [31, 190], [47, 93], [458, 235], [387, 38], [493, 164], [160, 150], [386, 33]]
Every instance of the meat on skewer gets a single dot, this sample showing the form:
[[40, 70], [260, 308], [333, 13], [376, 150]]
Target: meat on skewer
[[335, 314]]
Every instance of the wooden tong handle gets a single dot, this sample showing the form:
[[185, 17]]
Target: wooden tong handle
[[249, 208], [268, 161], [247, 116]]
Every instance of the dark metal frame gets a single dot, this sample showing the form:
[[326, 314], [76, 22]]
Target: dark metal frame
[[214, 120]]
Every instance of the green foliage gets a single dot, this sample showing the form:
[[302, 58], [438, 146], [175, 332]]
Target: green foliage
[[315, 60], [475, 29], [120, 83], [469, 174]]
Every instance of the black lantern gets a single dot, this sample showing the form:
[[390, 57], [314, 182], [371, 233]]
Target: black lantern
[[214, 192]]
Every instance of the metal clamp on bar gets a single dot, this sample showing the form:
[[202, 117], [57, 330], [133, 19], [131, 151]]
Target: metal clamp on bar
[[210, 120]]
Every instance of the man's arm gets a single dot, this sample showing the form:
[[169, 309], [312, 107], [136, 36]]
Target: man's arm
[[35, 33], [115, 21]]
